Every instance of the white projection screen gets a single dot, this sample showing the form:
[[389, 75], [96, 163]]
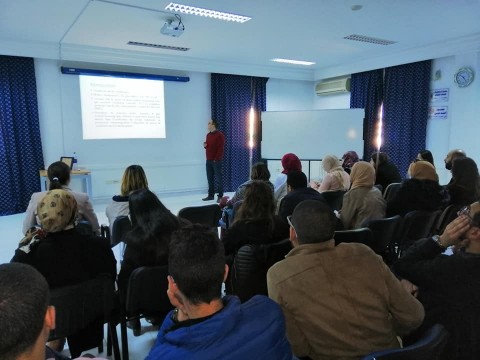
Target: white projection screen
[[122, 108]]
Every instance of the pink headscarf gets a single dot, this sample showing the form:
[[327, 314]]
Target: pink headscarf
[[291, 162]]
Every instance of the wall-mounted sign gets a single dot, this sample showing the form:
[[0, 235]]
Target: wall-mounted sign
[[438, 95], [438, 112]]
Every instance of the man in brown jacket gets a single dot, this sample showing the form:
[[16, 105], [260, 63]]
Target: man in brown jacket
[[339, 302]]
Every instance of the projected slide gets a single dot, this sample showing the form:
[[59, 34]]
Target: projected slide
[[122, 108]]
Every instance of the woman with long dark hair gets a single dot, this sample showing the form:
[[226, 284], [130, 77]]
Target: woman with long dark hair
[[59, 177], [255, 221], [147, 242]]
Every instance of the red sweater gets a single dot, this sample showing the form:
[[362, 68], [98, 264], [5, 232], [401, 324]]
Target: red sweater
[[215, 143]]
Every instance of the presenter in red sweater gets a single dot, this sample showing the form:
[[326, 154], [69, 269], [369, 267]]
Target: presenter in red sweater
[[214, 144]]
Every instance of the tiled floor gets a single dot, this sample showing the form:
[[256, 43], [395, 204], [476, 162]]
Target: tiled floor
[[11, 230]]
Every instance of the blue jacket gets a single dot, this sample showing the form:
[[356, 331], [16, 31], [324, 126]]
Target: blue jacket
[[254, 329]]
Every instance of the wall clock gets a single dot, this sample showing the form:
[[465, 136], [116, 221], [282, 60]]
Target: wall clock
[[464, 77]]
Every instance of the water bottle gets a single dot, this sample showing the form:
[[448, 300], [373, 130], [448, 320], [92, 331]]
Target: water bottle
[[75, 161]]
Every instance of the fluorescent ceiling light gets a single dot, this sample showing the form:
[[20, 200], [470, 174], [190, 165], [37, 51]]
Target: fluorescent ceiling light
[[296, 62], [185, 9]]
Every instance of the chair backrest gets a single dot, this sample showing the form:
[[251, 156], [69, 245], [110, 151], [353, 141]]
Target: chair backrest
[[334, 198], [147, 292], [362, 235], [446, 217], [120, 227], [391, 191], [429, 347], [250, 266], [207, 214], [385, 232], [417, 224], [76, 306]]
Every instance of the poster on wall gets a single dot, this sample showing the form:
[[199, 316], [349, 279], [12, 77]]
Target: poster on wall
[[439, 95], [438, 112]]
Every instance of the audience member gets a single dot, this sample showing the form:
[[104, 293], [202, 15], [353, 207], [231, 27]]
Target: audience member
[[133, 178], [290, 162], [336, 178], [147, 242], [452, 156], [425, 155], [363, 202], [297, 192], [25, 315], [26, 318], [385, 171], [421, 192], [339, 302], [64, 256], [464, 188], [449, 286], [59, 177], [255, 221], [259, 172], [204, 325], [349, 159]]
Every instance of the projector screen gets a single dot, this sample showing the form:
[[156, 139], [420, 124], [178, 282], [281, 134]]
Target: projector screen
[[122, 108]]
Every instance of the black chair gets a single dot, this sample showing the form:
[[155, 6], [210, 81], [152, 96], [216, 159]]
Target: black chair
[[78, 306], [363, 235], [120, 227], [429, 347], [391, 191], [334, 198], [248, 276], [385, 234], [84, 227], [446, 217], [208, 215], [417, 224], [146, 297]]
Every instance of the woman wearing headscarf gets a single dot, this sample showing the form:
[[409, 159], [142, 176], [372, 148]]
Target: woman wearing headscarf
[[290, 162], [59, 177], [348, 160], [363, 202], [421, 192], [336, 178], [65, 256]]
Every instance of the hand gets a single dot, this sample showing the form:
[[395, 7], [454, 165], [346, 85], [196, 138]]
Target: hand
[[455, 230], [411, 288]]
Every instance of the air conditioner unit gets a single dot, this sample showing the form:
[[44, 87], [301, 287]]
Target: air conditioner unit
[[330, 87]]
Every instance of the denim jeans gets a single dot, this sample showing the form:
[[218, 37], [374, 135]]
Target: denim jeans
[[214, 175]]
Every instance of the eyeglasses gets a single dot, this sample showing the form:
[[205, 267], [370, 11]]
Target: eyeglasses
[[289, 220]]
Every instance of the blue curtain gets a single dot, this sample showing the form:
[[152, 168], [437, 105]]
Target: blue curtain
[[232, 98], [405, 112], [367, 93], [21, 153]]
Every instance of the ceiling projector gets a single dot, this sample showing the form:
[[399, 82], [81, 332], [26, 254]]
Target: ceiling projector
[[172, 29]]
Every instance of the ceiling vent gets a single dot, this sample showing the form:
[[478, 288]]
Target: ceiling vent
[[157, 46], [369, 39], [330, 87]]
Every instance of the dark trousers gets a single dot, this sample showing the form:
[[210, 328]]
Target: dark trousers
[[214, 174]]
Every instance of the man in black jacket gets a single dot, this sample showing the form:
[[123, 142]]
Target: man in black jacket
[[449, 286]]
